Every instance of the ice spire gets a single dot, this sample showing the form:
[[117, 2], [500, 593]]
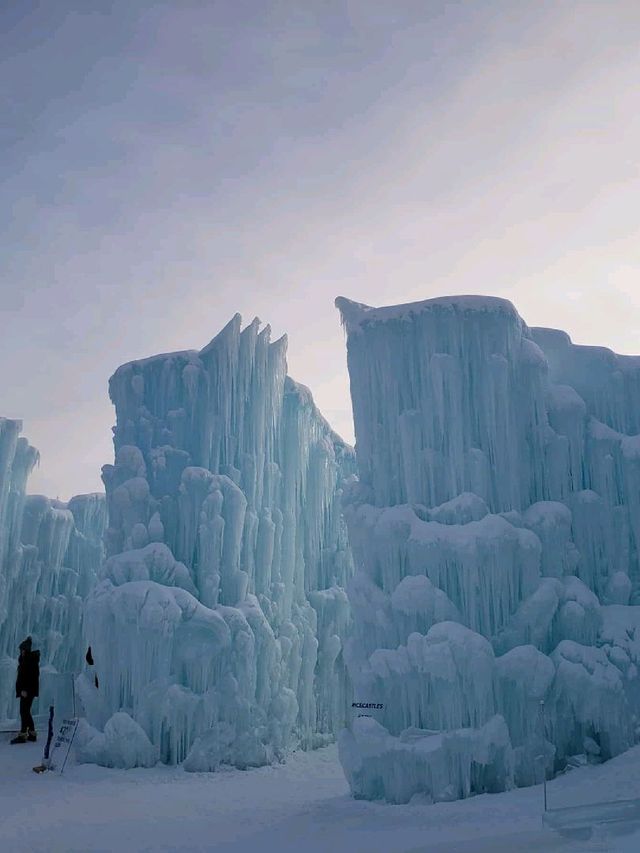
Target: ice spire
[[227, 559]]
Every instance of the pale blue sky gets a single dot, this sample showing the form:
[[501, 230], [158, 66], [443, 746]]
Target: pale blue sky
[[166, 164]]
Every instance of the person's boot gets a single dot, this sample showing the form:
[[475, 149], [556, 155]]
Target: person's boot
[[32, 736], [20, 738]]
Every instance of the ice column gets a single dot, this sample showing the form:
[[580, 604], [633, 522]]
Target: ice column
[[50, 553], [223, 592], [495, 535]]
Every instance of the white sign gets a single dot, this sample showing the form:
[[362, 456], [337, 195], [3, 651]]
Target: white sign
[[62, 745]]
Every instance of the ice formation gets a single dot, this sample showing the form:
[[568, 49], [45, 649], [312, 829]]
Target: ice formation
[[218, 619], [495, 530], [50, 553]]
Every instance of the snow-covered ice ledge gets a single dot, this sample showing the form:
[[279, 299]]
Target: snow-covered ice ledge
[[356, 314]]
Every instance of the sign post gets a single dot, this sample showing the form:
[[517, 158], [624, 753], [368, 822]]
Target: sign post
[[45, 757], [62, 745]]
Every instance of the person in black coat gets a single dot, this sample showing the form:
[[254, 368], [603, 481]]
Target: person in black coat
[[27, 688]]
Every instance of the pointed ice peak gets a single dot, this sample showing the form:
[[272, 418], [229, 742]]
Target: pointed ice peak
[[351, 313], [265, 334], [354, 314], [230, 331], [251, 331], [280, 344]]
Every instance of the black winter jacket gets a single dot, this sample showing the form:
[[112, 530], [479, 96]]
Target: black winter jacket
[[28, 674]]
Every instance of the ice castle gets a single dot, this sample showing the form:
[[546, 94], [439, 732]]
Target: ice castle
[[458, 601]]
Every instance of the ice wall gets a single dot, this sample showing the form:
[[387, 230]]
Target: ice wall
[[218, 622], [495, 531], [50, 553]]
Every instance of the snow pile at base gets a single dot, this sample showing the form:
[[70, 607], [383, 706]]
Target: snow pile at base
[[218, 620], [123, 744], [447, 765], [50, 553], [495, 529]]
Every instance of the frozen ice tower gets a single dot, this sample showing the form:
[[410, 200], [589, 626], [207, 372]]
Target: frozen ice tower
[[50, 553], [495, 530], [218, 619]]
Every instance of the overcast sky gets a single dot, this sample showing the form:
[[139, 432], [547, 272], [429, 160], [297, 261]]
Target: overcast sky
[[166, 164]]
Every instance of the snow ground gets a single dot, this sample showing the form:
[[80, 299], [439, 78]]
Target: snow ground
[[303, 805]]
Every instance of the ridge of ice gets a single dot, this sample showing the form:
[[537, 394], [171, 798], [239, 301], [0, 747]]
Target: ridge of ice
[[354, 314]]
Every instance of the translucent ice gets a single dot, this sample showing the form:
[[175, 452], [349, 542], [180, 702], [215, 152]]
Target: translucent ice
[[219, 619], [499, 484], [50, 553], [441, 765], [122, 744]]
